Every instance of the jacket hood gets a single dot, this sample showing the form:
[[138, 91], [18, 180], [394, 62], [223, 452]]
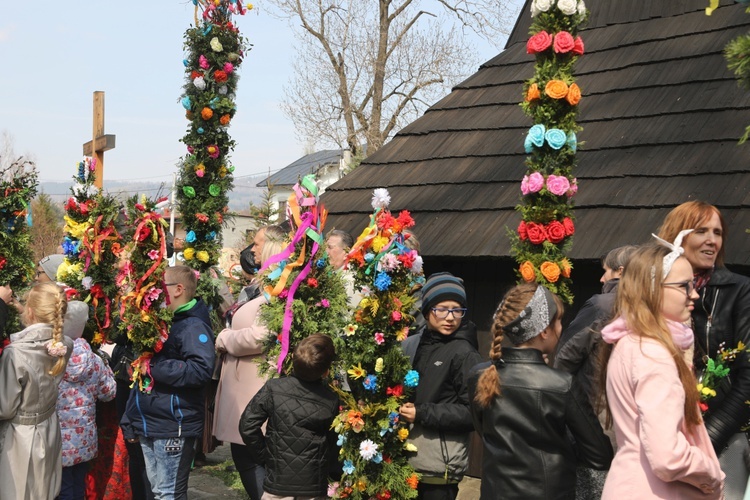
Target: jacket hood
[[615, 331], [81, 361], [610, 286], [682, 335]]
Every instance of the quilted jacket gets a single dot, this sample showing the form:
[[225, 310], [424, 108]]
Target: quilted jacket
[[299, 448], [87, 379]]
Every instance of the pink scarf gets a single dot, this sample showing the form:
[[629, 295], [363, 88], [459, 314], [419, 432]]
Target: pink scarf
[[682, 335]]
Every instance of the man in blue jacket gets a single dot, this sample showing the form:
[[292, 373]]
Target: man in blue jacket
[[168, 419]]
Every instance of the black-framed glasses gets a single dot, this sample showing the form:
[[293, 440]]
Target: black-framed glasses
[[170, 284], [688, 286], [442, 312]]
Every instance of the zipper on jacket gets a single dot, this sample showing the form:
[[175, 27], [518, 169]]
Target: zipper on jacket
[[172, 401], [138, 405]]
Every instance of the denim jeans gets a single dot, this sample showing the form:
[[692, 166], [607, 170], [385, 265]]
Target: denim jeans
[[168, 465]]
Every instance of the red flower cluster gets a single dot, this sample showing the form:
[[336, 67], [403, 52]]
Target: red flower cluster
[[555, 231], [396, 224], [220, 76]]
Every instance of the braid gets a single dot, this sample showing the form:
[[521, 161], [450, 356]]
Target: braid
[[488, 385], [57, 331]]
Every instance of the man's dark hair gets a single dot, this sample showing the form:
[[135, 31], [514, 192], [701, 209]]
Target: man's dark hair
[[313, 357], [347, 240]]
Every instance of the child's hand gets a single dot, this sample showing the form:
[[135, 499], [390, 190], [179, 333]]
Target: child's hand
[[408, 412]]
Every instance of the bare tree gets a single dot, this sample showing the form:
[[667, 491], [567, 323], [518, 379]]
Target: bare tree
[[47, 230], [365, 68]]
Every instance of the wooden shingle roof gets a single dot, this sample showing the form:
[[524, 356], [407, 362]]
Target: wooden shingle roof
[[661, 115]]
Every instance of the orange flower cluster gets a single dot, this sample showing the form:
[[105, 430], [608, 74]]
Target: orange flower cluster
[[412, 481], [558, 89]]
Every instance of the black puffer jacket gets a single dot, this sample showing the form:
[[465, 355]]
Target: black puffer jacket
[[726, 301], [527, 450], [299, 449]]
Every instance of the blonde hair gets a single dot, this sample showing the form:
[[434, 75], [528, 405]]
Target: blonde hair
[[47, 304], [274, 244], [512, 305], [185, 276], [639, 302]]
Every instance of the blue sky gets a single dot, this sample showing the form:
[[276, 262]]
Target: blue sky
[[57, 54]]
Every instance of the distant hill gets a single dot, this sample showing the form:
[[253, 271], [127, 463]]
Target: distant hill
[[240, 197]]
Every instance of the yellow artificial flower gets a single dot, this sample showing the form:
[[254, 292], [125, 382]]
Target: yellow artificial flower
[[249, 6], [378, 243], [216, 45], [145, 317], [378, 365], [357, 371], [188, 253], [361, 485], [350, 330], [202, 256], [75, 229], [410, 447], [403, 433]]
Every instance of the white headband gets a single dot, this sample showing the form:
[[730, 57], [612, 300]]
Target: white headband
[[676, 252], [535, 317]]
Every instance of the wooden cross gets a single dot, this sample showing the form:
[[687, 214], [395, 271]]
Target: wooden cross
[[100, 142]]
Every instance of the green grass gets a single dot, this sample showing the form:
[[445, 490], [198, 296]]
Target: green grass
[[230, 478]]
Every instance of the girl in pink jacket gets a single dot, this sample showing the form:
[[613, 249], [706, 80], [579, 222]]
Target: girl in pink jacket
[[663, 449]]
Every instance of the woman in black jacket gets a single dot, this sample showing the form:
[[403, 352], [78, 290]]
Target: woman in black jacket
[[523, 409], [721, 319], [443, 352]]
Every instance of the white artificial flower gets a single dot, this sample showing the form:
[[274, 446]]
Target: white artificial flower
[[416, 268], [380, 198], [223, 90], [368, 449], [87, 282], [199, 83], [581, 8], [567, 7], [538, 6]]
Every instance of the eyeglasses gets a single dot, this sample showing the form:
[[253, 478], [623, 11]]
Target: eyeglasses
[[171, 284], [688, 285], [442, 313]]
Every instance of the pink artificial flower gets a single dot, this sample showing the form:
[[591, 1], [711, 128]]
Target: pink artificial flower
[[379, 338], [228, 67], [324, 303], [203, 62], [396, 316], [389, 262], [191, 149], [525, 185], [153, 254], [578, 46], [200, 172], [573, 188], [213, 151], [564, 42], [558, 184], [283, 294], [536, 182]]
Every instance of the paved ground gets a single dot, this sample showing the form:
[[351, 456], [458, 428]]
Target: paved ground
[[203, 485]]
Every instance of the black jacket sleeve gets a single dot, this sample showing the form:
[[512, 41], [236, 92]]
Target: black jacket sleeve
[[593, 447], [255, 415]]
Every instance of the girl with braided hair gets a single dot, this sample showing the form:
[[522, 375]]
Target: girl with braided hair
[[31, 368], [523, 409]]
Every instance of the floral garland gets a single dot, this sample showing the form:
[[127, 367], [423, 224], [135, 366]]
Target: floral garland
[[18, 185], [551, 99], [92, 247], [371, 434], [145, 317], [307, 296], [215, 50]]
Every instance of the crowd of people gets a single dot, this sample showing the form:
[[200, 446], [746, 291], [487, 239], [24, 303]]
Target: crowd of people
[[609, 407]]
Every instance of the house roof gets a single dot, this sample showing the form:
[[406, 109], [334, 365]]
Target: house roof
[[661, 117], [308, 164]]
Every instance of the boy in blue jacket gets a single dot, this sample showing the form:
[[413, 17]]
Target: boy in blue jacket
[[168, 420]]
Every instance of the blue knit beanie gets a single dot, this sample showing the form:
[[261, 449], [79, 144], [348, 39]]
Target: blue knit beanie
[[441, 287]]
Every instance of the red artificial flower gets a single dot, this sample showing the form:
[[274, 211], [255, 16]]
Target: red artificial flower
[[140, 207], [564, 42], [220, 76], [555, 232], [195, 74], [385, 220], [312, 282], [578, 46], [219, 217], [522, 234], [539, 43], [97, 291], [202, 217], [703, 406], [387, 458], [570, 229], [158, 346], [3, 261], [70, 293], [396, 391], [406, 219], [536, 233], [406, 259], [143, 233], [384, 495], [70, 204]]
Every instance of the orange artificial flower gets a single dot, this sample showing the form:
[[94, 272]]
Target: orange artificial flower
[[412, 481], [565, 268], [527, 271], [574, 94], [533, 93], [224, 120], [550, 271], [556, 89], [207, 113]]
